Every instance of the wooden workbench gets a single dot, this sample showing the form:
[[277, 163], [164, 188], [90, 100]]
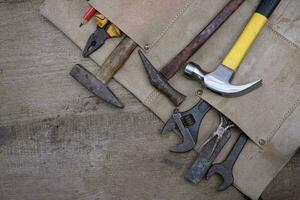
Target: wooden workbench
[[57, 141]]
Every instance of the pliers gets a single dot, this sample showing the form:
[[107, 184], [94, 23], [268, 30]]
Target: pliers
[[104, 31], [224, 125]]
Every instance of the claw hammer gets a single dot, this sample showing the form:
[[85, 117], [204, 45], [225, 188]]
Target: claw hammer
[[219, 80]]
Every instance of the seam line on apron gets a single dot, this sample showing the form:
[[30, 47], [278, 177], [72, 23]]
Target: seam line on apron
[[297, 102], [282, 37], [284, 118], [169, 25], [153, 95]]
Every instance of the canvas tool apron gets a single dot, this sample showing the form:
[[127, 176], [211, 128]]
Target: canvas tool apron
[[270, 114]]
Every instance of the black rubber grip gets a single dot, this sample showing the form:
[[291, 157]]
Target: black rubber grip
[[266, 7]]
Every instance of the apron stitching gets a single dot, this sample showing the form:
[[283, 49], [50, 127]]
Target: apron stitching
[[280, 36], [285, 117], [151, 97], [297, 102], [168, 26]]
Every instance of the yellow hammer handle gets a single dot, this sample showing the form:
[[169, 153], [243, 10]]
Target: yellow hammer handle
[[244, 42]]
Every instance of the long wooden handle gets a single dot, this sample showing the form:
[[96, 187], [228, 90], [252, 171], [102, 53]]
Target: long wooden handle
[[249, 34], [169, 70], [116, 59]]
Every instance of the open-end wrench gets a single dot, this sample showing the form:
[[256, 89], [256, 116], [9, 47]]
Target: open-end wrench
[[188, 123], [224, 169]]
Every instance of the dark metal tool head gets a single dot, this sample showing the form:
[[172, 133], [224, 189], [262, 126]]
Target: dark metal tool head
[[188, 124], [188, 140], [225, 173], [160, 82], [94, 85], [219, 80], [224, 169], [95, 41]]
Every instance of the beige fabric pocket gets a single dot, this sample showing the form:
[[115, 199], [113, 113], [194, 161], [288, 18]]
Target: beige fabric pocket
[[268, 107], [274, 57], [147, 22], [270, 113]]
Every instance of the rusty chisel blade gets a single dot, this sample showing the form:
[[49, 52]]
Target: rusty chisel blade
[[89, 81]]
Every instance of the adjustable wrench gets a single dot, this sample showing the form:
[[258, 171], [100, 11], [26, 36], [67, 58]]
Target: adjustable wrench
[[188, 123]]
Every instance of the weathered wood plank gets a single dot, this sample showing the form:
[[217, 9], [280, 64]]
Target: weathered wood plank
[[93, 156]]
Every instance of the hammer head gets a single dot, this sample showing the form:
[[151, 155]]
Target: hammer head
[[219, 80], [94, 85]]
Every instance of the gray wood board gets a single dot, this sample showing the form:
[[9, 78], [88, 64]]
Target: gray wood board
[[57, 141]]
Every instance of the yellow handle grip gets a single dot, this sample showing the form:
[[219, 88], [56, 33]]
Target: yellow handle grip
[[101, 20], [244, 42], [112, 30]]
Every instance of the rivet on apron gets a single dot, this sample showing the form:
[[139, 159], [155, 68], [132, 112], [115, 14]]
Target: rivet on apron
[[147, 46], [262, 142], [199, 92]]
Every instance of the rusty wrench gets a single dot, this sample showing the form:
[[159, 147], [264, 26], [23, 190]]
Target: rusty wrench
[[224, 169]]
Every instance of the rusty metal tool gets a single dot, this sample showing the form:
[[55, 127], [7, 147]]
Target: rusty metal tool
[[224, 169], [188, 123], [104, 31], [209, 151], [160, 79], [219, 80], [97, 84], [160, 82]]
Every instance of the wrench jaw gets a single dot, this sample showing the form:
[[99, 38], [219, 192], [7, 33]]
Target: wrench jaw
[[225, 175], [224, 169], [169, 126], [187, 145], [175, 123]]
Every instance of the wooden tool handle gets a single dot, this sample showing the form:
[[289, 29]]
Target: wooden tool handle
[[175, 96], [249, 34], [116, 59], [179, 60]]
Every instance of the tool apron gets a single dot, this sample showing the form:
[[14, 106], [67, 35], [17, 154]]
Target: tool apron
[[269, 115]]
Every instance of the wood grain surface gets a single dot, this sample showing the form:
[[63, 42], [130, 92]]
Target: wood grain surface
[[57, 141]]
